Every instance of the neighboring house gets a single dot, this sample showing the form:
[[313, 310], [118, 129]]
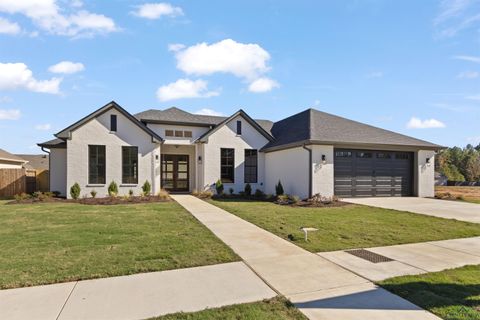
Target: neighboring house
[[310, 152], [10, 161], [38, 163]]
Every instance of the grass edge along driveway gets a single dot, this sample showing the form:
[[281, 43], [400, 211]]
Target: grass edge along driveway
[[350, 226], [274, 309], [50, 243], [450, 294]]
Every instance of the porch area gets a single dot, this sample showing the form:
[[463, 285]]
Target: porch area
[[179, 167]]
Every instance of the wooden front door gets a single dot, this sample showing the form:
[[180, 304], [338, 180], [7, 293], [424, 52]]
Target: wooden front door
[[175, 172]]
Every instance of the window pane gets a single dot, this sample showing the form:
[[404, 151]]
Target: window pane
[[96, 164], [364, 154], [239, 127], [187, 134], [250, 166], [343, 154], [227, 165], [130, 165], [178, 133], [113, 123], [169, 133]]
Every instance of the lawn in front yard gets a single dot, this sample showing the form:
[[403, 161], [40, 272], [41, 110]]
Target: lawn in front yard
[[48, 243], [274, 309], [469, 194], [350, 226], [451, 294]]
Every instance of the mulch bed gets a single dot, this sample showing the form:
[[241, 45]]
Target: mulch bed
[[95, 201]]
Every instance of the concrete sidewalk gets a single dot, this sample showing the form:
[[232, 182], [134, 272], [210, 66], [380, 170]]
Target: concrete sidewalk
[[459, 210], [138, 296], [318, 287], [410, 259]]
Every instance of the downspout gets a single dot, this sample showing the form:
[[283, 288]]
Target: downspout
[[310, 170], [49, 169]]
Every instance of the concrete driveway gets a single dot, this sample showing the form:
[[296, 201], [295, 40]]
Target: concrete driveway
[[459, 210]]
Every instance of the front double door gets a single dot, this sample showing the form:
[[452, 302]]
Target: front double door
[[175, 172]]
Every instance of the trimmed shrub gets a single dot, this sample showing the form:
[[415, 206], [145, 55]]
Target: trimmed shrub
[[248, 190], [279, 189], [259, 194], [231, 191], [146, 188], [93, 193], [130, 193], [75, 191], [219, 187], [112, 189]]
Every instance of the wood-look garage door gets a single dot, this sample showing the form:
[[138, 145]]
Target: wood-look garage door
[[367, 173]]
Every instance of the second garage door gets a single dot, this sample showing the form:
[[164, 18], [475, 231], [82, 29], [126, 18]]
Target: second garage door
[[367, 173]]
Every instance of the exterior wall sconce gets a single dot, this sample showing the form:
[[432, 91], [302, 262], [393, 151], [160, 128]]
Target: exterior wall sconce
[[324, 158], [199, 159], [428, 160]]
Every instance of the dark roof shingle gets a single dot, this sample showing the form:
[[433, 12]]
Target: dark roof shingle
[[313, 126]]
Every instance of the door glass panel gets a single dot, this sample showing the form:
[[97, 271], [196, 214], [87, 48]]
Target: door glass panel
[[182, 175]]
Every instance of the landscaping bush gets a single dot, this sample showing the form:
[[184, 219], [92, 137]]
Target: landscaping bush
[[279, 189], [130, 193], [113, 189], [93, 193], [231, 191], [259, 194], [219, 187], [285, 199], [163, 194], [248, 190], [75, 191], [21, 196], [207, 194], [146, 188]]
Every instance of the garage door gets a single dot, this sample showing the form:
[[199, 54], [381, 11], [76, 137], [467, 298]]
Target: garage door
[[367, 173]]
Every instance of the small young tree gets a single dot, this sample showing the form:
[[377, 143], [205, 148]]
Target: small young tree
[[112, 189], [75, 191], [146, 188], [248, 190], [279, 188], [219, 187]]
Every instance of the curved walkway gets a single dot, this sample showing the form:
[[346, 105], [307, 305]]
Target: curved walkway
[[318, 287]]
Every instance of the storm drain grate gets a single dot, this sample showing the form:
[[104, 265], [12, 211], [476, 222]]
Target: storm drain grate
[[369, 255]]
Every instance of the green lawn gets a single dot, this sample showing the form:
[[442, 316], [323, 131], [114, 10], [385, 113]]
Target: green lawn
[[274, 309], [48, 243], [451, 294], [351, 226]]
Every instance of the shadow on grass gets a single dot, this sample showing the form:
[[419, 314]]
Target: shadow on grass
[[439, 295]]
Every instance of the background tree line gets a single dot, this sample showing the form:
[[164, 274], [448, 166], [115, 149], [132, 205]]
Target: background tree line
[[459, 164]]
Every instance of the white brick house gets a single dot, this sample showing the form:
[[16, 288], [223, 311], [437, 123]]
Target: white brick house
[[310, 152]]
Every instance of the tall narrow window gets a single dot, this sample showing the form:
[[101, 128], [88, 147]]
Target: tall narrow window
[[251, 165], [130, 165], [239, 127], [113, 123], [227, 165], [96, 164]]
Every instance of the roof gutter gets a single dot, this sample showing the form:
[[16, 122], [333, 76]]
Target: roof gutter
[[310, 170]]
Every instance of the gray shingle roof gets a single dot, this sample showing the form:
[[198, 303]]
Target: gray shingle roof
[[319, 127], [178, 116], [5, 155], [54, 143], [35, 161]]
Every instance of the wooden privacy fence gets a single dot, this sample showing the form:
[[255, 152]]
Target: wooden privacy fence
[[16, 181]]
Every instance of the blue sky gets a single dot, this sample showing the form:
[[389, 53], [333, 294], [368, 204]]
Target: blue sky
[[408, 66]]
